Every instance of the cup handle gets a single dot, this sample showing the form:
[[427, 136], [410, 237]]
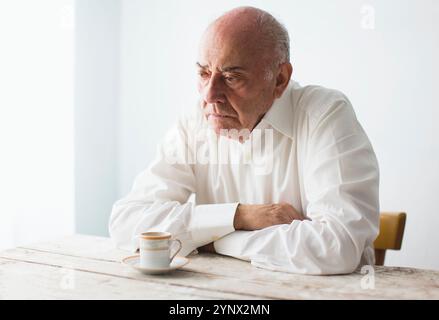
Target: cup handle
[[179, 248]]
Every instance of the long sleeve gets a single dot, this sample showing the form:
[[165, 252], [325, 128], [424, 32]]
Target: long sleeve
[[158, 201], [340, 187]]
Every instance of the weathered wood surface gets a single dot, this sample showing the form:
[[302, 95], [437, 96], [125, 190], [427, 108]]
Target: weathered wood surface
[[87, 267]]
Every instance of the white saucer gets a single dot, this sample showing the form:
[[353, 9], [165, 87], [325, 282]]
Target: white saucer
[[134, 262]]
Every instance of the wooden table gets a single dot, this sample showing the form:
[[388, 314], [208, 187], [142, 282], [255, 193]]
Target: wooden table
[[88, 267]]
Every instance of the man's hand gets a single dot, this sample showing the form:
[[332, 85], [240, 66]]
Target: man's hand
[[254, 217], [208, 248]]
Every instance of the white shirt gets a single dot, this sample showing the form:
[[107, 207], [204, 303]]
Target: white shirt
[[313, 154]]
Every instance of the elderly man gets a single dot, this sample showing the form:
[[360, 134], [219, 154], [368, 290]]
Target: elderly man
[[309, 204]]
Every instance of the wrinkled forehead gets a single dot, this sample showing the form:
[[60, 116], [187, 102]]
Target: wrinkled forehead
[[228, 44]]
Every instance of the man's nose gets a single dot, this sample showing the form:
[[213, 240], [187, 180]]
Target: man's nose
[[214, 91]]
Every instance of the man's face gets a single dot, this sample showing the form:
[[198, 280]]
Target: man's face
[[234, 82]]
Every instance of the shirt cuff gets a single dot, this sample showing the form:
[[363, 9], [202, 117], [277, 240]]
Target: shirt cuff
[[210, 222], [232, 245]]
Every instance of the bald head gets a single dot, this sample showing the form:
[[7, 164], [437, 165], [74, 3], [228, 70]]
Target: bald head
[[254, 28]]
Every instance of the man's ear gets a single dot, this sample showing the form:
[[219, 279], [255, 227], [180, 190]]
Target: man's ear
[[283, 78]]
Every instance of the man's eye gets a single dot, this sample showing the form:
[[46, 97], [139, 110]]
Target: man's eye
[[230, 79], [203, 74]]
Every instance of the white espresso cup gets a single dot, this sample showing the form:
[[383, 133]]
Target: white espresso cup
[[155, 249]]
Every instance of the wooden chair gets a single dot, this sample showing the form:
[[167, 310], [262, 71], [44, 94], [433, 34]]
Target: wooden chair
[[390, 236]]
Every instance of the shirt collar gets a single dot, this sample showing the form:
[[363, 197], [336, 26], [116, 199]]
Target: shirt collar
[[280, 115]]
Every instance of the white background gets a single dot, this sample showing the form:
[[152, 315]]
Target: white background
[[134, 68], [36, 120]]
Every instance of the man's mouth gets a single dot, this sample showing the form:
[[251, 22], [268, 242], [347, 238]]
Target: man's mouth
[[218, 116]]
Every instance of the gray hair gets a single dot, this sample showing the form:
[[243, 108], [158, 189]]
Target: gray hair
[[276, 33], [274, 36]]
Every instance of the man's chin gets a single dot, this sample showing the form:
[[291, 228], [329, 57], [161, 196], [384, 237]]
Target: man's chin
[[219, 127], [219, 131]]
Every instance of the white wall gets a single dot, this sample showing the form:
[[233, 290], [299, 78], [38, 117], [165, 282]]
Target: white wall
[[96, 113], [389, 70], [36, 121]]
